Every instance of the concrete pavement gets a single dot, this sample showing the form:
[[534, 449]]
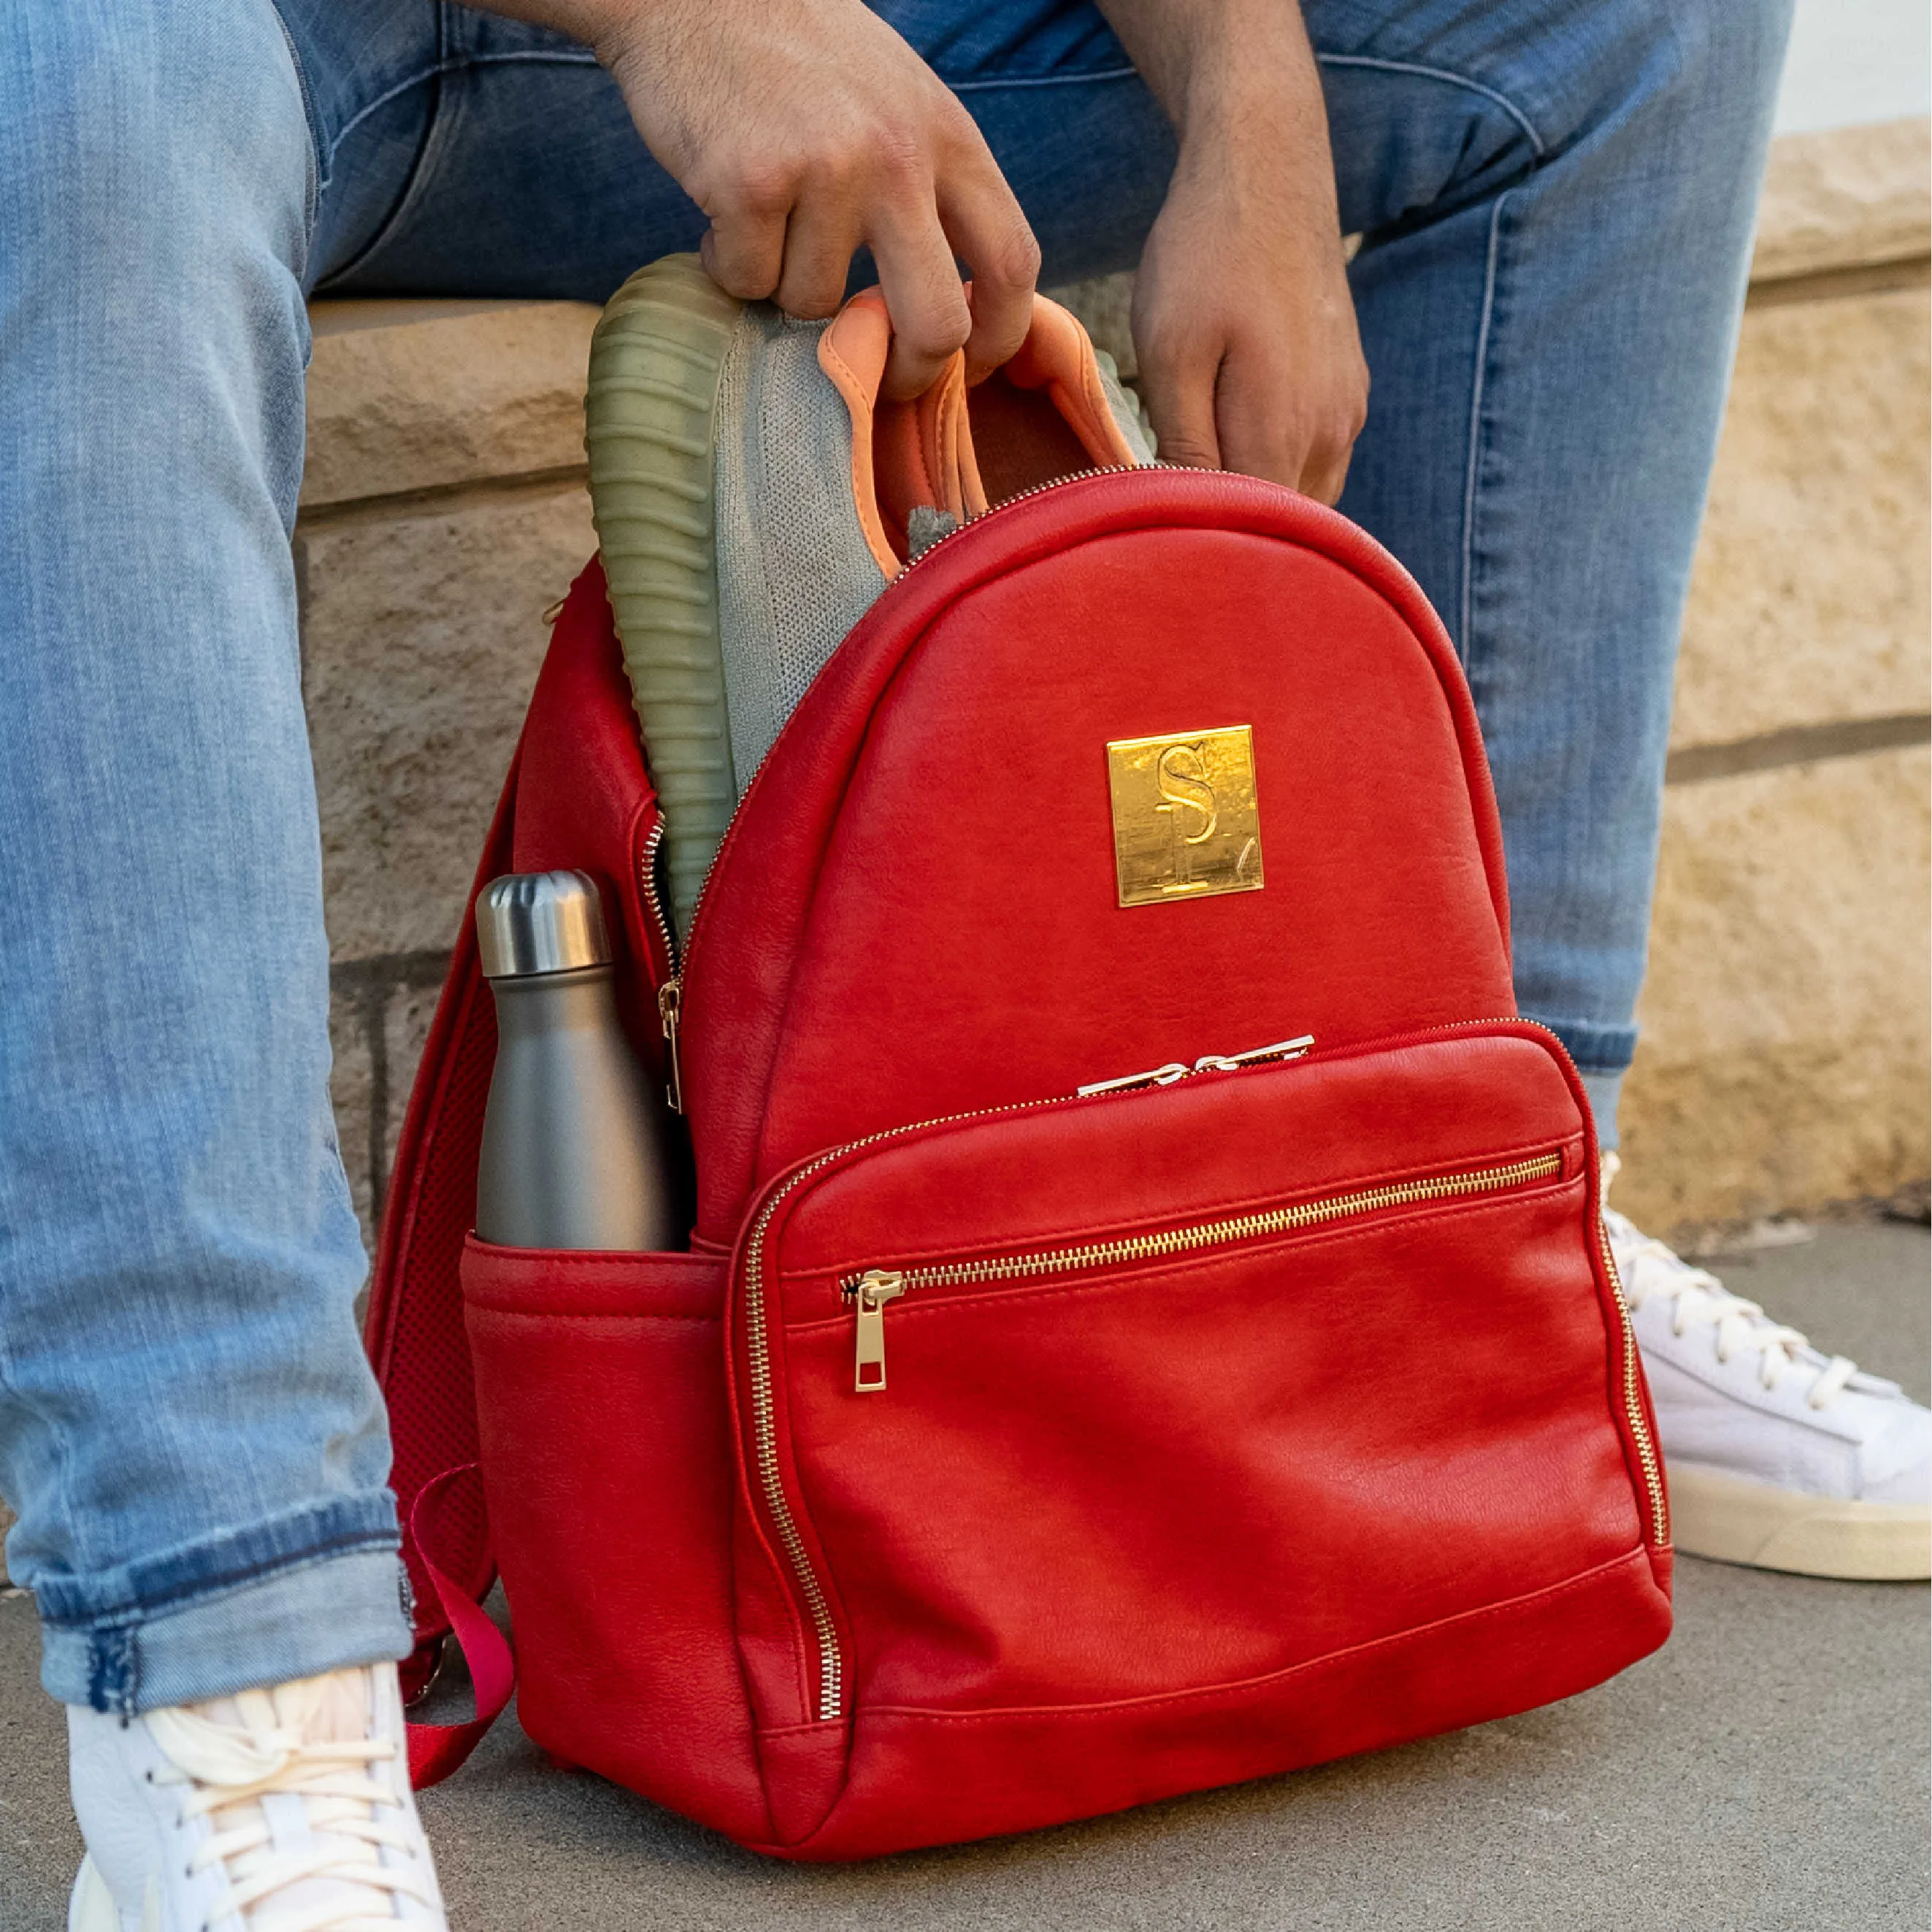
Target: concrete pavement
[[1767, 1769]]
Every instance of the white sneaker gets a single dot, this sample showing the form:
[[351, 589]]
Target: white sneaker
[[287, 1810], [1777, 1455]]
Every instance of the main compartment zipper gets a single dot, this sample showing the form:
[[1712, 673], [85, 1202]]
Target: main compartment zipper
[[1648, 1459], [871, 1291]]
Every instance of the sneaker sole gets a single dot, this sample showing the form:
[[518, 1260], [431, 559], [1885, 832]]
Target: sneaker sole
[[1739, 1521], [653, 394]]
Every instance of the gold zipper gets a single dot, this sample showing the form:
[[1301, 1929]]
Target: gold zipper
[[764, 1419], [671, 998], [647, 890], [869, 1291], [670, 994], [1640, 1427], [765, 1452]]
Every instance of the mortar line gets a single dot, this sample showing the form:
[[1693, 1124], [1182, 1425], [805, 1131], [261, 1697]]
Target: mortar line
[[435, 496], [1797, 745], [1867, 278]]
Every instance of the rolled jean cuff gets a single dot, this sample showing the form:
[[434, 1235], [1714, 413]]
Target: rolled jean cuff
[[222, 1617], [1605, 1089], [1595, 1048]]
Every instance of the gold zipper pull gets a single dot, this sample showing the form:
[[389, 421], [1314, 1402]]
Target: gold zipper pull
[[1156, 1076], [670, 994], [877, 1286], [1282, 1049]]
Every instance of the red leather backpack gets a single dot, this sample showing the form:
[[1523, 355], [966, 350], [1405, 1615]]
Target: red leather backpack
[[1148, 1324]]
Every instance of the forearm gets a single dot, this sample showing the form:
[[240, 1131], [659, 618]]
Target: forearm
[[589, 21], [1221, 65], [1242, 320]]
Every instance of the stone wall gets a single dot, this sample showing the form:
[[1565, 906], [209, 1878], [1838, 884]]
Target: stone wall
[[1783, 1061], [1783, 1057], [443, 510]]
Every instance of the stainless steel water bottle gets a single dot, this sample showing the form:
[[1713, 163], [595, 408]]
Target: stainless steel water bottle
[[576, 1149]]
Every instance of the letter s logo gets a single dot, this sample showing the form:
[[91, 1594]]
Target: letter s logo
[[1187, 791]]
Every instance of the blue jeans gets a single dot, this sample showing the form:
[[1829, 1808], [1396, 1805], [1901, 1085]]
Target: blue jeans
[[1555, 197]]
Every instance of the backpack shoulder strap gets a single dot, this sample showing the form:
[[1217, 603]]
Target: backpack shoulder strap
[[414, 1330], [577, 795]]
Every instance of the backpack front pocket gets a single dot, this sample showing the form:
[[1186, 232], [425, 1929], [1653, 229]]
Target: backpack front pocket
[[1146, 1394]]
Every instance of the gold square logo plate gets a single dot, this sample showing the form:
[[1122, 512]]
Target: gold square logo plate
[[1186, 822]]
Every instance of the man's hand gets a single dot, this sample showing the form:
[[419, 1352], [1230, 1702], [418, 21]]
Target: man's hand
[[1245, 329], [805, 129]]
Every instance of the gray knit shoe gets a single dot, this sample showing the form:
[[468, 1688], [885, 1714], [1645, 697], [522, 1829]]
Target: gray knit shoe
[[753, 496]]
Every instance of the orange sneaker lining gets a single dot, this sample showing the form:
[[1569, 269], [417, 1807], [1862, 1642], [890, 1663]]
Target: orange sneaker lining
[[960, 451]]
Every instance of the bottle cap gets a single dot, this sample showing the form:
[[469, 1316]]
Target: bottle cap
[[531, 922]]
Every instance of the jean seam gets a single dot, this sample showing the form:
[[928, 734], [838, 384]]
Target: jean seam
[[435, 71], [1478, 387], [1538, 146], [1129, 72], [313, 184], [368, 108]]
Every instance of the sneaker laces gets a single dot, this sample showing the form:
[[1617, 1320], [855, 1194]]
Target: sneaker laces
[[295, 1817], [1651, 1269]]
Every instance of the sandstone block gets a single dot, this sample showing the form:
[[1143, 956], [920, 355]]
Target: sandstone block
[[1809, 602], [406, 1014], [1785, 1021], [423, 632], [1845, 197], [405, 396]]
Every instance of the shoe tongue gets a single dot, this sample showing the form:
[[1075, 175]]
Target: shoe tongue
[[337, 1708], [340, 1706], [331, 1708]]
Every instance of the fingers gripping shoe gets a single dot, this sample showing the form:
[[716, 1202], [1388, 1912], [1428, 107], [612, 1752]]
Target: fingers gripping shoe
[[1777, 1455], [287, 1810]]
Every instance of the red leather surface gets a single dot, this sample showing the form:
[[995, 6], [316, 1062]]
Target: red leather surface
[[916, 900], [919, 1777], [586, 804], [1164, 1479], [607, 1454]]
